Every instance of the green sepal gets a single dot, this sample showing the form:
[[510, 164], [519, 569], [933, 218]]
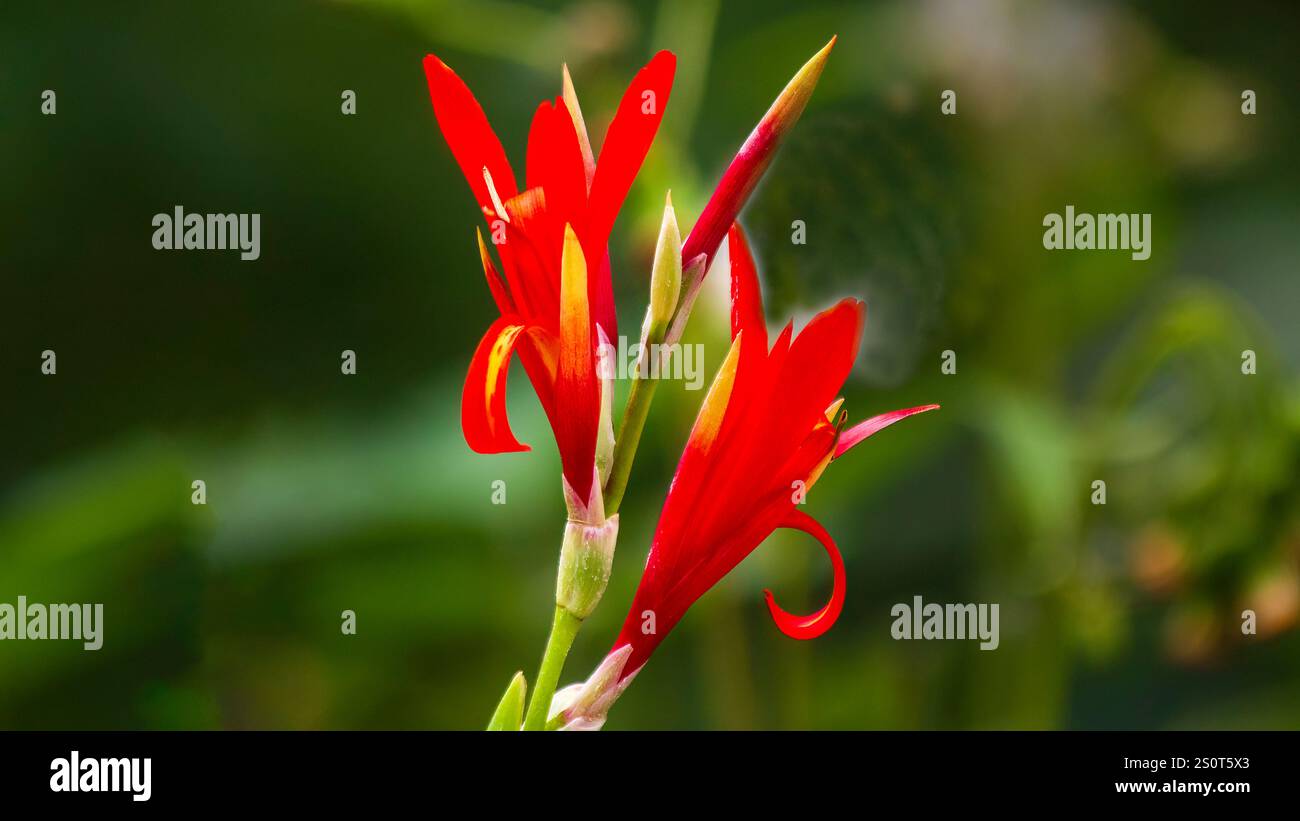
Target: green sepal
[[509, 714]]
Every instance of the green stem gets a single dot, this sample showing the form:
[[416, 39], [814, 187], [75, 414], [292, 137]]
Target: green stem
[[629, 436], [643, 390], [563, 631]]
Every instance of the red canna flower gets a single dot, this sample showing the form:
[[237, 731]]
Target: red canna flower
[[767, 429], [568, 207]]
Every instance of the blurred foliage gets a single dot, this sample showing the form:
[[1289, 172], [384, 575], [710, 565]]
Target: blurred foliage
[[328, 493]]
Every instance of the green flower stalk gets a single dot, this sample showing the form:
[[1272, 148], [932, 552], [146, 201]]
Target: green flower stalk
[[585, 563], [665, 288]]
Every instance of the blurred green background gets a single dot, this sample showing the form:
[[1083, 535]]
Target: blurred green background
[[328, 492]]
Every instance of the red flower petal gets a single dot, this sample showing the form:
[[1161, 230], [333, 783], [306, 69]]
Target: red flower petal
[[500, 295], [468, 133], [626, 142], [555, 164], [707, 424], [811, 376], [746, 297], [577, 389], [483, 402], [531, 255], [875, 424], [570, 96], [814, 624], [539, 351], [702, 450]]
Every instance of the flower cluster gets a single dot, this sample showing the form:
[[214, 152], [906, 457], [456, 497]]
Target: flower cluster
[[769, 426]]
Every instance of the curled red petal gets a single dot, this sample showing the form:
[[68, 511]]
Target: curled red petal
[[483, 401], [814, 624], [851, 437], [469, 135]]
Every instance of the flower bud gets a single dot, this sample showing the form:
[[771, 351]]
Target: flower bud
[[585, 562], [666, 277], [509, 714], [752, 160], [585, 706]]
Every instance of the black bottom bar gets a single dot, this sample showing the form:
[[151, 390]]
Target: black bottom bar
[[585, 772]]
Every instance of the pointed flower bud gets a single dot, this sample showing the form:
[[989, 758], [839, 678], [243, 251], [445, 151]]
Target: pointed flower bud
[[585, 562], [752, 160], [666, 276], [509, 714]]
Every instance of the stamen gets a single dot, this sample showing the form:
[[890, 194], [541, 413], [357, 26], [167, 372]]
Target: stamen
[[496, 198]]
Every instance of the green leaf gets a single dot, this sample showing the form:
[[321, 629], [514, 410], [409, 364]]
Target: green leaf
[[509, 714]]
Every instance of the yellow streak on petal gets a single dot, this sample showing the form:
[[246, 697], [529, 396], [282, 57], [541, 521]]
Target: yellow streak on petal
[[498, 360], [714, 408], [579, 125], [575, 315], [833, 409], [817, 471], [483, 254]]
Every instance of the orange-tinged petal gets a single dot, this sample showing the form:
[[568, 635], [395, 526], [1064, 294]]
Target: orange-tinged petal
[[714, 409], [834, 410], [539, 350], [579, 125], [688, 497], [577, 389], [533, 243], [469, 135], [814, 624], [483, 402], [812, 456], [500, 295]]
